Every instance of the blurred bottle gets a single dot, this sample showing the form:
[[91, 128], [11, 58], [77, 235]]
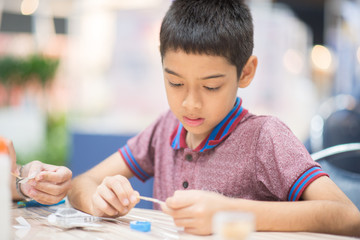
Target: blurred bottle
[[5, 195]]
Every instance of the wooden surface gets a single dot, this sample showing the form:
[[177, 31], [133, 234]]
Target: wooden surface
[[162, 227]]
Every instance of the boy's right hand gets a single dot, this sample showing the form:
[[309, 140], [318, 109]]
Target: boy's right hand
[[114, 197]]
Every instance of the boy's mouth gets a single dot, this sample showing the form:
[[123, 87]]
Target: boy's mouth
[[193, 122]]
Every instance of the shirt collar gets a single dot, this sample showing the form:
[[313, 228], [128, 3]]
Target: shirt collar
[[218, 134]]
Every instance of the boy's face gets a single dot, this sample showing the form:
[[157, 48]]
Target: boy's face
[[201, 90]]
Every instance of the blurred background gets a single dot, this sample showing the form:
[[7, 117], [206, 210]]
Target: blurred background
[[78, 77]]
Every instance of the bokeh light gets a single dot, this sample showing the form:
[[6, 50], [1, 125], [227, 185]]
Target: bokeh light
[[321, 57], [28, 7]]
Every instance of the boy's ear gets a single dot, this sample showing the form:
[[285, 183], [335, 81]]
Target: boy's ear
[[248, 72]]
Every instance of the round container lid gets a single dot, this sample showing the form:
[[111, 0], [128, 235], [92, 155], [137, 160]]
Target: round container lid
[[141, 226]]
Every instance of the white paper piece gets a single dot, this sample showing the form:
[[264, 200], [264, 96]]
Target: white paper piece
[[23, 223], [23, 228]]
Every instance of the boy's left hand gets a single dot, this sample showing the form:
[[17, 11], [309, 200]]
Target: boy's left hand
[[194, 210]]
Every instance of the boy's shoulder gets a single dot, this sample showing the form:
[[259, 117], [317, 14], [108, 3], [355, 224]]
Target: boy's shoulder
[[263, 124], [261, 120]]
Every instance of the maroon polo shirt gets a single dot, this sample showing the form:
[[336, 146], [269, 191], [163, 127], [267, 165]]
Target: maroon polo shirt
[[245, 156]]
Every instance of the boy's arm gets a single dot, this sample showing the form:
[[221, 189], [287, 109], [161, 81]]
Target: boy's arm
[[104, 190], [324, 208], [14, 194]]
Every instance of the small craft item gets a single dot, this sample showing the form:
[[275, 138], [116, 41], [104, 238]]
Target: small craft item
[[141, 226], [151, 200]]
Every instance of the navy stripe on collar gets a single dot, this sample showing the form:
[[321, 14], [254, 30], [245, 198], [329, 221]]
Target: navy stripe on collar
[[218, 134]]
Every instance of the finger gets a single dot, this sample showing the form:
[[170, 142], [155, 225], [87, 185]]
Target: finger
[[50, 188], [102, 207], [181, 199], [196, 231], [130, 196], [185, 222], [182, 213], [166, 209], [134, 199], [57, 175], [121, 187], [110, 197], [43, 197], [194, 226], [50, 167], [32, 168]]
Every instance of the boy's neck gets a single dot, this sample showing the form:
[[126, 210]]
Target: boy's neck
[[192, 141]]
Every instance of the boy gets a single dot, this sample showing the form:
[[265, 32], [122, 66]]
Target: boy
[[208, 153], [50, 184]]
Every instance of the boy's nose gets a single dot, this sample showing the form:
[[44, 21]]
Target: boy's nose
[[192, 101]]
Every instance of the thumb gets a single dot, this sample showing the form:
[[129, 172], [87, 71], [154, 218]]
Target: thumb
[[181, 199]]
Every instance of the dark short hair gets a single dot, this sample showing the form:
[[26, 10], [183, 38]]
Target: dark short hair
[[213, 27]]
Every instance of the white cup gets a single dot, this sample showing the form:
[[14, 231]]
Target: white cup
[[233, 225]]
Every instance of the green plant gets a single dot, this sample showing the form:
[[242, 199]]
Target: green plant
[[19, 73], [10, 70], [38, 67]]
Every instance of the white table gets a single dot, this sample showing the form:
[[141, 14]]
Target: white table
[[162, 227]]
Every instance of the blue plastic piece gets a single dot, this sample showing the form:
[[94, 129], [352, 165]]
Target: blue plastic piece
[[34, 203], [141, 226]]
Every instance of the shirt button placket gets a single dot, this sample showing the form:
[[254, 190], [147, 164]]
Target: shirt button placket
[[189, 157]]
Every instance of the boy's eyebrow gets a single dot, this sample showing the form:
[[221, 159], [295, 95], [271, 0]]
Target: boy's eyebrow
[[172, 72], [203, 78], [213, 76]]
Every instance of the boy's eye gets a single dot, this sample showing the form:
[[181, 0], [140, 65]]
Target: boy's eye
[[212, 88], [175, 84]]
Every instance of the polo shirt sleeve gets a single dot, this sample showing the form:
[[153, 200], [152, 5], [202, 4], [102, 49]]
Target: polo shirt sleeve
[[284, 167], [138, 153]]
